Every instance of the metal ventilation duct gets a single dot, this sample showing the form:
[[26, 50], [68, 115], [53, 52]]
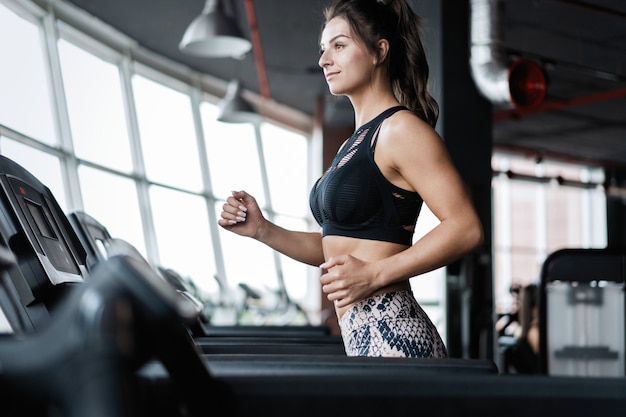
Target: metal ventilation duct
[[521, 84]]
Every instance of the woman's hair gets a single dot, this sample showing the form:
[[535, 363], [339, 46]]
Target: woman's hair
[[406, 64]]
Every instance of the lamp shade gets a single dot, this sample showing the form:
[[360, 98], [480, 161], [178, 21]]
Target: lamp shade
[[214, 34], [234, 109]]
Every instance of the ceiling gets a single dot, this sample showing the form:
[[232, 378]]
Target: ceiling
[[581, 45]]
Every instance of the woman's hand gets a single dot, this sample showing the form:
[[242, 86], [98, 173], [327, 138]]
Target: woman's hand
[[347, 280], [241, 214]]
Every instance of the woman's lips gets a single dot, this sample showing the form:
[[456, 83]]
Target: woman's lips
[[330, 75]]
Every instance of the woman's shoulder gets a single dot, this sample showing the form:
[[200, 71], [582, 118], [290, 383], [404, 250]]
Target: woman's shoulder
[[407, 147], [404, 125]]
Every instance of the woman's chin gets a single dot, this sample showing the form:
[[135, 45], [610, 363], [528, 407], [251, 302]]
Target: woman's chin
[[336, 92]]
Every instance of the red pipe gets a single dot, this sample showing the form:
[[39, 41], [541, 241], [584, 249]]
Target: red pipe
[[258, 51], [561, 104]]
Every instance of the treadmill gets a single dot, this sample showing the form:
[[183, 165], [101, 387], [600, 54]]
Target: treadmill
[[157, 371], [50, 260], [97, 242]]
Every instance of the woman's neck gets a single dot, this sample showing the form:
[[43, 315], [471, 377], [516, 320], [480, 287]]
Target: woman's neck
[[372, 98], [366, 109]]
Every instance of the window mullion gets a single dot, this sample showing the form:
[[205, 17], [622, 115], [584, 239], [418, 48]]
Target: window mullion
[[268, 201], [139, 170], [69, 164], [220, 268], [541, 210]]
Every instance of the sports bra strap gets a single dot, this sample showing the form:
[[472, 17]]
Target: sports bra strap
[[379, 119]]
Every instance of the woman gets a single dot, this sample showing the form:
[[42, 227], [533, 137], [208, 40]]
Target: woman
[[368, 201]]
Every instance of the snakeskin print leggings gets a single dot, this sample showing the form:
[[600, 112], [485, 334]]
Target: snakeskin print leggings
[[392, 324]]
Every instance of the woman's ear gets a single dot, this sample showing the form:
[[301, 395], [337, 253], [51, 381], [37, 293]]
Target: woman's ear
[[382, 51]]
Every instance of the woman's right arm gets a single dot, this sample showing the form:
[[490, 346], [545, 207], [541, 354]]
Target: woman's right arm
[[242, 215]]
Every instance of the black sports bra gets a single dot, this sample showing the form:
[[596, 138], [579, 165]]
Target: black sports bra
[[353, 198]]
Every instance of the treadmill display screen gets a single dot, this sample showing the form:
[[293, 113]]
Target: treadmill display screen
[[36, 210], [40, 219]]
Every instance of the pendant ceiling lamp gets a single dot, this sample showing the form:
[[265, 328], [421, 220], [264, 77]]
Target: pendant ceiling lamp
[[234, 109], [214, 34]]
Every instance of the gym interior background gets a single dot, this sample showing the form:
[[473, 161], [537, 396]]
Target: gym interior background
[[98, 102]]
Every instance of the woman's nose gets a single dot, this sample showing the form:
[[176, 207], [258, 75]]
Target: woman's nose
[[323, 61]]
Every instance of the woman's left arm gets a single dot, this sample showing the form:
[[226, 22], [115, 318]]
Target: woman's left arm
[[422, 163]]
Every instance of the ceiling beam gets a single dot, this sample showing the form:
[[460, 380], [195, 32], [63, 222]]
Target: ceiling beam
[[257, 48]]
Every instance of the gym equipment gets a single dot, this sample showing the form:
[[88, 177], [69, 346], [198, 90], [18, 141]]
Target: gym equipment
[[50, 259], [55, 253], [98, 242], [84, 363], [92, 235], [119, 347], [582, 314]]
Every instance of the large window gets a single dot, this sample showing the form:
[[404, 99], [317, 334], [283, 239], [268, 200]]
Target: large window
[[141, 151], [95, 106], [24, 78], [540, 207]]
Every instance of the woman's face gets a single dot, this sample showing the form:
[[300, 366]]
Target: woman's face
[[347, 64]]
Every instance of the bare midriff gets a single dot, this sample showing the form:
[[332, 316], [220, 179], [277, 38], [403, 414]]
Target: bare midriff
[[365, 250]]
